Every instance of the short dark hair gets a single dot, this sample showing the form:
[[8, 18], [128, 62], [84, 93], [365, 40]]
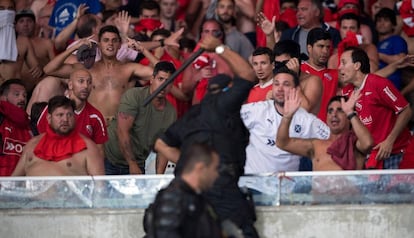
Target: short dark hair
[[289, 47], [263, 51], [358, 55], [60, 101], [5, 86], [164, 66], [317, 34], [350, 16], [186, 42], [336, 98], [286, 70], [195, 153], [161, 32], [108, 28], [386, 13], [149, 5]]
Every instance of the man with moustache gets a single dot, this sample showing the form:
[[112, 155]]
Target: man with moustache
[[61, 150], [133, 132], [14, 124]]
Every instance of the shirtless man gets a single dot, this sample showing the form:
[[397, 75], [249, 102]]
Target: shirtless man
[[340, 116], [25, 26], [110, 77], [44, 154], [12, 68]]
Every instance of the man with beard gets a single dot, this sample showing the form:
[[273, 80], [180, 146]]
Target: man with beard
[[89, 121], [133, 132], [319, 47], [262, 119], [14, 124], [237, 41], [61, 151]]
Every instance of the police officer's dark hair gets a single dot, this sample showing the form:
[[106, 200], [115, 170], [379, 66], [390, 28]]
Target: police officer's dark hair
[[149, 5], [264, 51], [388, 14], [350, 16], [285, 70], [164, 66], [5, 87], [358, 55], [289, 47], [60, 101], [108, 28], [195, 153], [317, 34]]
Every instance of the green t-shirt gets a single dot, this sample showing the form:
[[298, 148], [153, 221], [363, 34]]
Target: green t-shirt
[[148, 125]]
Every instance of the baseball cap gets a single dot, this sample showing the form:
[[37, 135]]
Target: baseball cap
[[25, 13]]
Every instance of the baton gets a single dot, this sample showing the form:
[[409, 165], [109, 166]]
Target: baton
[[173, 76]]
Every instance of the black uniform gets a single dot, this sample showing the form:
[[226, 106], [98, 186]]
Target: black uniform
[[216, 121], [178, 211]]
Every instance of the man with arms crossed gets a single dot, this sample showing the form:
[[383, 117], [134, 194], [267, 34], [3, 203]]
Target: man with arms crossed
[[61, 151]]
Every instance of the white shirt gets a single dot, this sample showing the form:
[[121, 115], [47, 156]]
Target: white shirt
[[262, 120]]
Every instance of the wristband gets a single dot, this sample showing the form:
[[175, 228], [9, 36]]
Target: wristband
[[351, 115]]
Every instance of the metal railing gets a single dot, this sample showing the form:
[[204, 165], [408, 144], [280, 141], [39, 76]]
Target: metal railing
[[137, 191]]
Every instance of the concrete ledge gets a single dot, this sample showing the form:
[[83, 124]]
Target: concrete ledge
[[321, 221]]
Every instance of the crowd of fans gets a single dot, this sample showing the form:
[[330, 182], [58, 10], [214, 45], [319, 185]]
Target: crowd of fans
[[275, 86]]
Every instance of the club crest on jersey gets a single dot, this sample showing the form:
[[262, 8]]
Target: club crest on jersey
[[298, 128], [328, 76]]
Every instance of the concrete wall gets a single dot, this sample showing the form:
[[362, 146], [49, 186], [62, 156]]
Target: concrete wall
[[357, 221]]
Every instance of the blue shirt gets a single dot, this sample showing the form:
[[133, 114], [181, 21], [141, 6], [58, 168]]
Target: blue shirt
[[64, 12], [392, 45]]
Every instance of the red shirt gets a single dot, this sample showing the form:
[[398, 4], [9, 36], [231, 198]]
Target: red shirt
[[329, 79], [378, 108], [15, 132], [89, 122], [258, 93]]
